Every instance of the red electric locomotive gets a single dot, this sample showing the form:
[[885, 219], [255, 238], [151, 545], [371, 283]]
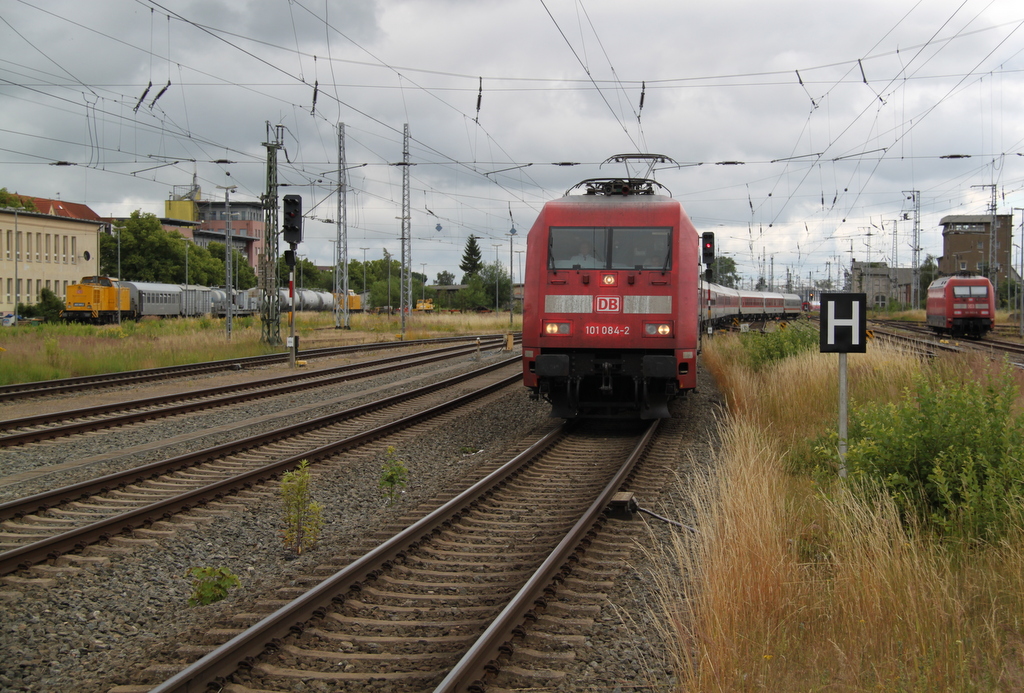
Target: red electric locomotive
[[611, 307], [961, 306]]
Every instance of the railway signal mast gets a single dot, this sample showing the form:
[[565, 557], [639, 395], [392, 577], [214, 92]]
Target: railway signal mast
[[291, 231]]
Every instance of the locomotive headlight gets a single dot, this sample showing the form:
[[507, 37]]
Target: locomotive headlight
[[657, 329], [608, 279], [560, 328]]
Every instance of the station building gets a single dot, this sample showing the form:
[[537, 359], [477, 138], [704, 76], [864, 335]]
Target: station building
[[49, 248]]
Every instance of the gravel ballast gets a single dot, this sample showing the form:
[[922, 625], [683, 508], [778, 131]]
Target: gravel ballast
[[88, 629]]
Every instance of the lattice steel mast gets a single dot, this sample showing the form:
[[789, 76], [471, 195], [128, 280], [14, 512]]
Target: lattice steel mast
[[405, 285], [915, 248], [270, 311]]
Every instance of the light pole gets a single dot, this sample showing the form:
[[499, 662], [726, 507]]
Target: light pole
[[337, 282], [1020, 314], [511, 278], [521, 275], [227, 257], [496, 292], [186, 277], [365, 293], [17, 259], [118, 293], [387, 259], [423, 271]]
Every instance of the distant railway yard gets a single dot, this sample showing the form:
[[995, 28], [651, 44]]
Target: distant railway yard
[[156, 478]]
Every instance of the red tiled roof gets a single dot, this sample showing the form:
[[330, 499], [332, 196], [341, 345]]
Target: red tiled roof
[[59, 208]]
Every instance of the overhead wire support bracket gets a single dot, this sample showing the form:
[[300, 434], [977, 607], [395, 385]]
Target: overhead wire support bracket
[[161, 93], [142, 98]]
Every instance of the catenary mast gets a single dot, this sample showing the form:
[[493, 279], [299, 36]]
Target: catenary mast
[[270, 314]]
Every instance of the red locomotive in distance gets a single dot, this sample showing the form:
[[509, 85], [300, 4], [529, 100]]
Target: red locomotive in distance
[[611, 312], [961, 306]]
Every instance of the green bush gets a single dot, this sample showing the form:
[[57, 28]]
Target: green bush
[[394, 476], [790, 339], [950, 452], [303, 516], [210, 585]]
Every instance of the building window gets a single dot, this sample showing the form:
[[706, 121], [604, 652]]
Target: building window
[[963, 266], [39, 246], [74, 250], [64, 256]]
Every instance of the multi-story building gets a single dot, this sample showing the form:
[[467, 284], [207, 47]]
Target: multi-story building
[[966, 244], [49, 248], [247, 223], [882, 283]]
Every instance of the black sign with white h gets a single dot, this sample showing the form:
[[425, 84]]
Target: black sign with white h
[[844, 323]]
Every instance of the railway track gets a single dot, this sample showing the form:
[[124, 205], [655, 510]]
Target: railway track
[[65, 385], [73, 422], [933, 343], [47, 525], [441, 604]]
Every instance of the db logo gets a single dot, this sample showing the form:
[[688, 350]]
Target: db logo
[[609, 304]]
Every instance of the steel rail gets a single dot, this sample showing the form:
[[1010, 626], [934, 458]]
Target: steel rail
[[45, 500], [208, 398], [244, 647], [44, 387], [242, 650], [484, 658], [76, 539]]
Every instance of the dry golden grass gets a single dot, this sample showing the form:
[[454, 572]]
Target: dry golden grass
[[59, 351], [795, 583]]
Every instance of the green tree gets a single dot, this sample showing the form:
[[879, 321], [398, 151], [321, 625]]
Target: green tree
[[473, 296], [471, 259], [725, 273], [205, 265], [148, 252], [16, 201], [381, 296], [929, 273], [49, 307], [243, 276], [445, 278], [490, 275], [307, 275], [378, 276]]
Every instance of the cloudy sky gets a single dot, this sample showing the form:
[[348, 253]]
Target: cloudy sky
[[803, 132]]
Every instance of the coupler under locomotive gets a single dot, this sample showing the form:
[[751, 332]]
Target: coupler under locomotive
[[606, 384]]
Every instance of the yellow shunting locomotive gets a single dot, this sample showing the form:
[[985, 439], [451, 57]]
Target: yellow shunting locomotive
[[96, 300]]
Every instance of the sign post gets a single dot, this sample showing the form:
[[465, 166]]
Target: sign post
[[843, 331]]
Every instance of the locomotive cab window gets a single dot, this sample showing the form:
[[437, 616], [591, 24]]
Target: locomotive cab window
[[633, 248], [970, 291]]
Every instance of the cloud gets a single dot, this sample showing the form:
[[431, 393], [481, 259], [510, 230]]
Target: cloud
[[835, 110]]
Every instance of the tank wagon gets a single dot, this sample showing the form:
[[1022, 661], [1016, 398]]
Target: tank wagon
[[103, 300]]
